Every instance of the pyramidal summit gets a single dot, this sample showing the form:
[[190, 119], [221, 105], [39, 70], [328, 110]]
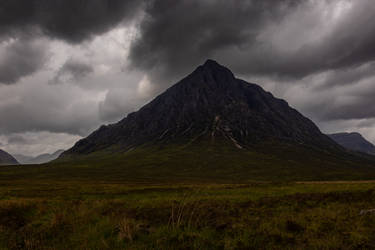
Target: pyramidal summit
[[213, 122], [210, 103]]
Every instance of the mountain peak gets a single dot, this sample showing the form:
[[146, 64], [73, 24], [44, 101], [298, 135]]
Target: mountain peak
[[212, 73], [213, 66], [210, 62]]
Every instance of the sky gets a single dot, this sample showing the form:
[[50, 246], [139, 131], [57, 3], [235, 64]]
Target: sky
[[68, 66]]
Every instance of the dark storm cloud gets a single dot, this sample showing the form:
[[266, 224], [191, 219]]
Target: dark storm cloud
[[177, 34], [320, 51], [21, 58], [349, 44], [340, 103], [72, 70], [362, 108], [69, 20]]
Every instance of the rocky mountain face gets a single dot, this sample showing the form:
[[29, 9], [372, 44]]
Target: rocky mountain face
[[210, 104], [7, 159], [354, 141], [40, 159]]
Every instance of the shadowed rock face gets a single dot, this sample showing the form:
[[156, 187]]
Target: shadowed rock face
[[7, 159], [207, 104], [354, 141]]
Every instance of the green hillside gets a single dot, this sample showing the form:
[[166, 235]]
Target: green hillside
[[203, 161]]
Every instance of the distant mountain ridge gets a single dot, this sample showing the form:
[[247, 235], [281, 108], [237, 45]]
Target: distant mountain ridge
[[7, 159], [40, 159], [354, 141]]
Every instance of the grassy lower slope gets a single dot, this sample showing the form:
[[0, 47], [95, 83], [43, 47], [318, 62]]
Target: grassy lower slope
[[203, 162]]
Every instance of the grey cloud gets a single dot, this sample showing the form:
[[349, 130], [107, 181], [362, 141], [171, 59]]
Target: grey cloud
[[17, 139], [70, 20], [362, 109], [117, 104], [54, 108], [340, 103], [75, 109], [348, 76], [123, 97], [72, 70], [349, 44], [177, 34], [20, 118], [367, 123], [22, 58]]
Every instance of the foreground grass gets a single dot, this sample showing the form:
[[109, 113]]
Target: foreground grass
[[87, 215]]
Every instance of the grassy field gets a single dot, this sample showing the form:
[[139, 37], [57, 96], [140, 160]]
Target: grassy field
[[191, 198], [108, 215]]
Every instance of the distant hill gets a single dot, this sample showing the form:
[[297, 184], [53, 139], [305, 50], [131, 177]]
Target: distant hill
[[40, 159], [7, 159], [213, 124], [354, 141]]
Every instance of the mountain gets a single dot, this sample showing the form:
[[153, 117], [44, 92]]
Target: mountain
[[212, 124], [354, 141], [208, 103], [7, 159], [40, 159]]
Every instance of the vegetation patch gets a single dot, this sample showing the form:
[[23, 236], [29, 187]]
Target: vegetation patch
[[190, 216]]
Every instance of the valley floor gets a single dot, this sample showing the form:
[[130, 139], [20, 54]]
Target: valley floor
[[99, 215]]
